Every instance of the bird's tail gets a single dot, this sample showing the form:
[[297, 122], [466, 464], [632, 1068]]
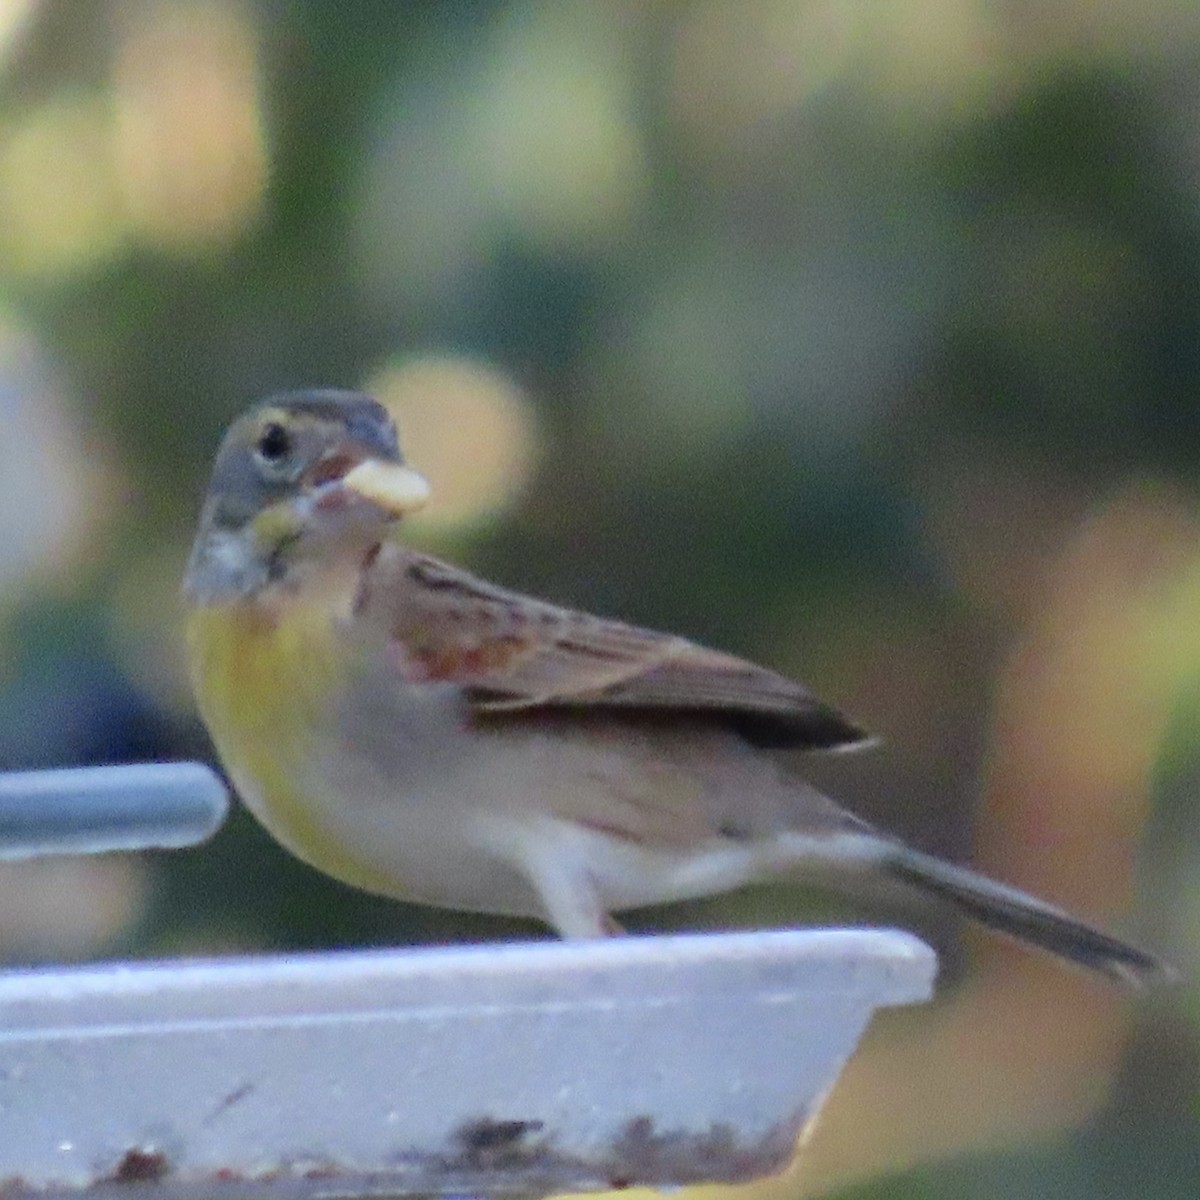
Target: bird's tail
[[1018, 915]]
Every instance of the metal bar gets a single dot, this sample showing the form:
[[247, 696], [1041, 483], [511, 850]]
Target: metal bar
[[90, 810]]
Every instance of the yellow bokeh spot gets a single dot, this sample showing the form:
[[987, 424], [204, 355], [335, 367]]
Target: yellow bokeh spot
[[936, 59], [466, 427], [190, 147], [734, 67], [174, 156], [60, 207]]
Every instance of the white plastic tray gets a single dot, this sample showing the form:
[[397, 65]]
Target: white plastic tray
[[517, 1069]]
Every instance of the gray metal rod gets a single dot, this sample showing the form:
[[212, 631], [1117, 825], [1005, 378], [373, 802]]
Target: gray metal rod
[[90, 810]]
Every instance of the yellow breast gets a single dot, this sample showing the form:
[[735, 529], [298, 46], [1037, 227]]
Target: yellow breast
[[266, 679]]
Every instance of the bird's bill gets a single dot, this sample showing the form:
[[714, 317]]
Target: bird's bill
[[396, 489]]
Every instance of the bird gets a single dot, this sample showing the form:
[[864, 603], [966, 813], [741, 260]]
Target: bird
[[421, 733]]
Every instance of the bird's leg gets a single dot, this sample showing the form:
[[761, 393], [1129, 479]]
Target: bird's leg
[[567, 893]]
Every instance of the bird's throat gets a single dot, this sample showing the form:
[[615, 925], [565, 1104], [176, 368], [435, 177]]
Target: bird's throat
[[266, 675]]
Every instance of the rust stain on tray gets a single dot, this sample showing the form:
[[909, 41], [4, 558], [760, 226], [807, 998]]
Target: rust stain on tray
[[490, 1155], [491, 1144], [141, 1165], [643, 1154]]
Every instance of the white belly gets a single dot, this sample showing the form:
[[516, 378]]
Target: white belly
[[432, 811], [468, 839]]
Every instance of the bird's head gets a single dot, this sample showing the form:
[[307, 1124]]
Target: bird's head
[[301, 480]]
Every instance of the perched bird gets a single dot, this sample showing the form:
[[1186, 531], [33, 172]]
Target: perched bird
[[418, 732]]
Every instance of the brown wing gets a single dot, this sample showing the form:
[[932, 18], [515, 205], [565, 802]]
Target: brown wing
[[513, 653]]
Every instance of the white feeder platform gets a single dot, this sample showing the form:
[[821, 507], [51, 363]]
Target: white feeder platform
[[520, 1069]]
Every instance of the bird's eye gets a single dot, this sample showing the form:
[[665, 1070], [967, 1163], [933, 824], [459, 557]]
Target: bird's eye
[[274, 444]]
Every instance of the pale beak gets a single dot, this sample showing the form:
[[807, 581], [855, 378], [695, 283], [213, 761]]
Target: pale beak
[[396, 489]]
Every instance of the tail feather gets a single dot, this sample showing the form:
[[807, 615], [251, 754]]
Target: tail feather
[[1026, 918]]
